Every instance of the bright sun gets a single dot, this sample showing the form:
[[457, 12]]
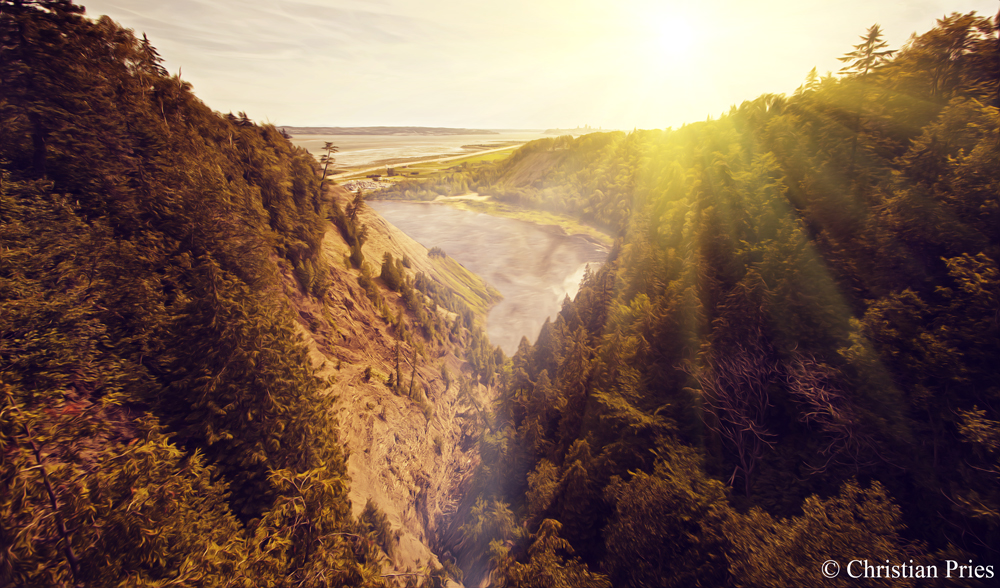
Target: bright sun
[[674, 40]]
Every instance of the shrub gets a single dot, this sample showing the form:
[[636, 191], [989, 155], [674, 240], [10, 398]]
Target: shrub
[[375, 524]]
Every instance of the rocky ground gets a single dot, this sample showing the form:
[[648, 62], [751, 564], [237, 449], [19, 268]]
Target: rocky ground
[[366, 186]]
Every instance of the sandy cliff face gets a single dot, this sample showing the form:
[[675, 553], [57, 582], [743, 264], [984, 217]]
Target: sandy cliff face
[[411, 461]]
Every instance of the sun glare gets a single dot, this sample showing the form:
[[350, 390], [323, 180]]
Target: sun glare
[[674, 39], [668, 42]]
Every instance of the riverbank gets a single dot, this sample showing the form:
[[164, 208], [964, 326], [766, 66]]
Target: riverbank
[[547, 221], [533, 265], [405, 162]]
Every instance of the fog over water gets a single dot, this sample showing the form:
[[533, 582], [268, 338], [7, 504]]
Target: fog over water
[[531, 266]]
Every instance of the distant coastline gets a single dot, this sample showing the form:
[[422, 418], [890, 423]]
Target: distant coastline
[[577, 131], [436, 131]]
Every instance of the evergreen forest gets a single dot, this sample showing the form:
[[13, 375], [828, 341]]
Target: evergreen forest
[[160, 422], [790, 356]]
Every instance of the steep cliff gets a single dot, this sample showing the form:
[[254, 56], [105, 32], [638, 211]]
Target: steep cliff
[[411, 457], [183, 323]]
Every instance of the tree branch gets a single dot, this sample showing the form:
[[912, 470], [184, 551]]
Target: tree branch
[[71, 558]]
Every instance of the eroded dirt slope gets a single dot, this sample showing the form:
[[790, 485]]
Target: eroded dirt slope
[[413, 459]]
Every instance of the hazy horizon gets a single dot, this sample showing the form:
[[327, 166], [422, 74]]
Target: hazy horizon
[[500, 129], [516, 65]]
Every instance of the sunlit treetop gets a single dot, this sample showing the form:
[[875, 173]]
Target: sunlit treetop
[[867, 54]]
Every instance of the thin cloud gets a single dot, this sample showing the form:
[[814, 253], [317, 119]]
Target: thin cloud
[[506, 63]]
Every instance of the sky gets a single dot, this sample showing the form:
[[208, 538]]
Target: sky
[[507, 64]]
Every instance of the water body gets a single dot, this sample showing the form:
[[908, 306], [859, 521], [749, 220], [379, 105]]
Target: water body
[[534, 268], [359, 150]]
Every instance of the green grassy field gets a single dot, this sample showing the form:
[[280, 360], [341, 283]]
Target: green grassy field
[[429, 168]]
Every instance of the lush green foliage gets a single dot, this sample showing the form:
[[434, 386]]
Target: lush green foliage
[[790, 355], [159, 420]]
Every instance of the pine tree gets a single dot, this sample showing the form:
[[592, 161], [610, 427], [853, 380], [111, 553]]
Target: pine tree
[[327, 158], [866, 57]]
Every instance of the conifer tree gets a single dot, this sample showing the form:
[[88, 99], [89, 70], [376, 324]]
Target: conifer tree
[[327, 158], [867, 56]]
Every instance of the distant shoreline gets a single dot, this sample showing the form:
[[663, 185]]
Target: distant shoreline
[[435, 131], [404, 161], [576, 131]]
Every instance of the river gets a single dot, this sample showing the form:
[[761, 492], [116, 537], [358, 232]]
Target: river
[[532, 266]]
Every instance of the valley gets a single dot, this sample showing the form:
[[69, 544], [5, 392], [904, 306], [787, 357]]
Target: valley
[[745, 352], [413, 464], [533, 267]]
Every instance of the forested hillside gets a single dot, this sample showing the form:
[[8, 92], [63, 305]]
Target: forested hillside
[[161, 421], [791, 355]]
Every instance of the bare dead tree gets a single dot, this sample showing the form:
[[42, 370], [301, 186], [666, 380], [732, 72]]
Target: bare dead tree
[[822, 394], [735, 391]]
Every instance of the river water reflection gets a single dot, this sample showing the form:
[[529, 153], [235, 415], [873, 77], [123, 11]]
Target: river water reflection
[[532, 267]]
